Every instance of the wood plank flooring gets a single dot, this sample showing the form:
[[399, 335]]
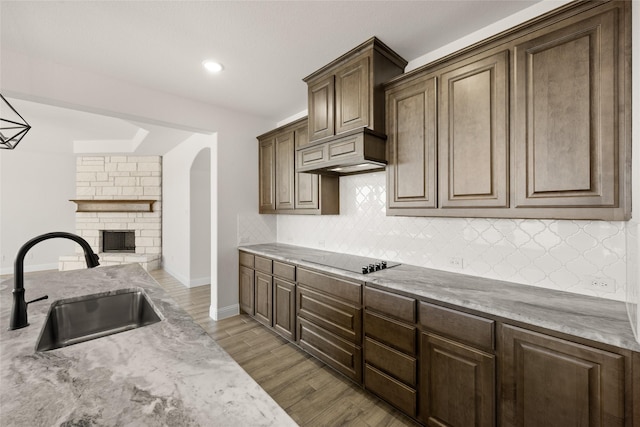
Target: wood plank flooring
[[311, 393]]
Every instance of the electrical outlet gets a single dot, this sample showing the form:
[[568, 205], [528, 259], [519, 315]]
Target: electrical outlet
[[244, 239], [601, 284], [321, 243], [456, 262]]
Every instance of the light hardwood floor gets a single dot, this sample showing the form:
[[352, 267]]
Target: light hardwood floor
[[310, 392]]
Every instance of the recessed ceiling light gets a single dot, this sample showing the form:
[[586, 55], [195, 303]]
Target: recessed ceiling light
[[212, 66]]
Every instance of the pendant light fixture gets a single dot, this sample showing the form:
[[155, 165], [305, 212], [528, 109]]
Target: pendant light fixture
[[12, 126]]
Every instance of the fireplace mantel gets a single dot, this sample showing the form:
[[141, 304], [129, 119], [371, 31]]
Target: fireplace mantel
[[114, 205]]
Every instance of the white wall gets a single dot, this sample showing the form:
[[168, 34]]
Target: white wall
[[200, 221], [177, 195], [35, 188]]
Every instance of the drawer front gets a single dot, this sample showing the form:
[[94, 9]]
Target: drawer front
[[312, 155], [286, 271], [470, 329], [336, 316], [391, 361], [346, 147], [246, 259], [396, 306], [263, 264], [341, 355], [391, 332], [394, 392], [350, 291]]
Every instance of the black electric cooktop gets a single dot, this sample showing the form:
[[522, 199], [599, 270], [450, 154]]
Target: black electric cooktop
[[353, 263]]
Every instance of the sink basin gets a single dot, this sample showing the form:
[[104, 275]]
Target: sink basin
[[80, 319]]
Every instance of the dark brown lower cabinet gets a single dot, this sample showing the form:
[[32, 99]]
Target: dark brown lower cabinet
[[284, 308], [548, 381], [247, 290], [457, 384], [439, 365], [263, 298]]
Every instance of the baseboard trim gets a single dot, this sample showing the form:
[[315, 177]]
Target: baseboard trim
[[202, 281], [224, 312]]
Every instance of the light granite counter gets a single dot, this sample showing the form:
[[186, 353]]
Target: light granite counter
[[595, 319], [169, 373]]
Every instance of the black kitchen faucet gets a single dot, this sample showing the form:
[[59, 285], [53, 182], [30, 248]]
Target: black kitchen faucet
[[19, 310]]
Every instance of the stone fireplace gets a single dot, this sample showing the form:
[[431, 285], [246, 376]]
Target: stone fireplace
[[119, 209]]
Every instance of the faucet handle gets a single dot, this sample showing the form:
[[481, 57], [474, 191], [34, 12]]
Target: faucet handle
[[38, 299]]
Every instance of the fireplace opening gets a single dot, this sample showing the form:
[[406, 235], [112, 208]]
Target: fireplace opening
[[118, 241]]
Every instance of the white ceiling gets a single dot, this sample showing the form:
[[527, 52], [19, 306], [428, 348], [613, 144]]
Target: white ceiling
[[267, 47]]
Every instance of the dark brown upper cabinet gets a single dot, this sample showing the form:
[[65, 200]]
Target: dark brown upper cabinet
[[281, 188], [534, 122], [285, 170], [473, 133], [411, 143], [566, 131], [347, 93], [267, 175]]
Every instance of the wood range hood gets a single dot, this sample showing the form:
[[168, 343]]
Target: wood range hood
[[346, 104], [114, 205]]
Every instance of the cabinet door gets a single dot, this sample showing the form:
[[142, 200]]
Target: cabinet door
[[352, 95], [566, 121], [284, 308], [457, 384], [246, 286], [474, 140], [267, 175], [321, 108], [263, 298], [285, 163], [547, 381], [307, 184], [412, 133]]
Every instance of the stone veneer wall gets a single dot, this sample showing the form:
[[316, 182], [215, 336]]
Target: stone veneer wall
[[122, 178]]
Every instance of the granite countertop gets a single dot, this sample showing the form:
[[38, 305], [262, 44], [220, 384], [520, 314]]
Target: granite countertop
[[596, 319], [168, 373]]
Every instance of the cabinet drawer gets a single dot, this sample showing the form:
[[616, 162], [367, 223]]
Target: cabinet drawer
[[394, 392], [311, 156], [263, 264], [391, 361], [338, 317], [286, 271], [349, 291], [473, 330], [397, 306], [390, 332], [246, 259], [340, 354]]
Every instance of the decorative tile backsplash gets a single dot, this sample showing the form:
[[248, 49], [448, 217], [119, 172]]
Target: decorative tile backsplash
[[558, 254], [254, 228]]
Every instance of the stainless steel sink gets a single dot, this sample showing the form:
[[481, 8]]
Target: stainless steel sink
[[80, 319]]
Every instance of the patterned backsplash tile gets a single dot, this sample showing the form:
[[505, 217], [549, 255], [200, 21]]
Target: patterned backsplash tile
[[557, 254], [254, 228]]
